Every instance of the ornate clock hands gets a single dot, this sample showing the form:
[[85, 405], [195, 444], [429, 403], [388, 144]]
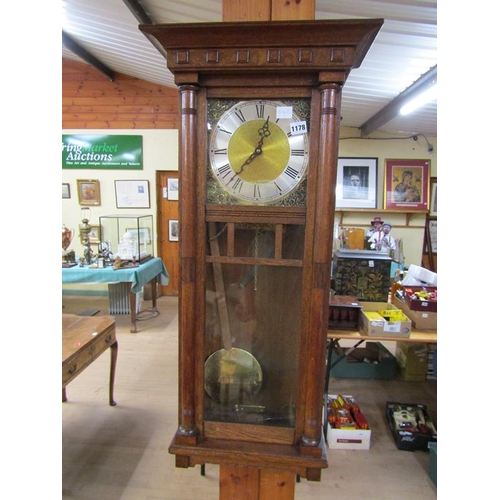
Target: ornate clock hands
[[263, 132]]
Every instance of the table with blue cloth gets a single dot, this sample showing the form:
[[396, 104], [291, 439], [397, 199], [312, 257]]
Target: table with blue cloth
[[151, 271]]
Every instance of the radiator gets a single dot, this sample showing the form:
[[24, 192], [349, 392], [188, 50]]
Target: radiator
[[119, 301]]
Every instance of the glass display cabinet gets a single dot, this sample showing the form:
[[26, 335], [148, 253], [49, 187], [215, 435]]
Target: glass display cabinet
[[129, 237]]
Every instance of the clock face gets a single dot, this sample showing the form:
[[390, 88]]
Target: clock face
[[259, 151]]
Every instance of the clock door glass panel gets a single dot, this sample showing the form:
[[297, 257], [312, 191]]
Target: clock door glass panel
[[253, 320]]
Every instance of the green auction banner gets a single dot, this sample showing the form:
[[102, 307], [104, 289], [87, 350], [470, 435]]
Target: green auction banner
[[118, 152]]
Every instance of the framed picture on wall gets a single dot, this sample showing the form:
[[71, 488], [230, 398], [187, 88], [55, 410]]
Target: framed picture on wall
[[433, 209], [173, 230], [132, 194], [66, 191], [173, 188], [89, 192], [94, 234], [406, 185], [433, 227], [356, 183]]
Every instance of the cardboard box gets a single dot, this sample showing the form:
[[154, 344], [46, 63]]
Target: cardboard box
[[410, 425], [432, 362], [340, 439], [371, 362], [373, 320], [421, 320], [420, 305], [412, 361]]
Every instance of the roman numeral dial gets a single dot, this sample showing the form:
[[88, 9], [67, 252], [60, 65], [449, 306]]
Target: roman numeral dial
[[254, 153]]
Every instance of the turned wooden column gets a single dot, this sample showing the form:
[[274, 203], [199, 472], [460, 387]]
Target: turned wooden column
[[187, 430], [322, 253]]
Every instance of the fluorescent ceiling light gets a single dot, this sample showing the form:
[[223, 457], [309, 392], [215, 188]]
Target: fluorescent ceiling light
[[421, 100], [391, 110]]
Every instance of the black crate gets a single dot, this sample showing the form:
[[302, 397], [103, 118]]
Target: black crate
[[411, 426]]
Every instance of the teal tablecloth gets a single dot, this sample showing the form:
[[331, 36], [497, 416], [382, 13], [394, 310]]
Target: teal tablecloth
[[138, 276]]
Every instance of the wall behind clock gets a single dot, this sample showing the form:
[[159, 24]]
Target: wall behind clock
[[93, 104]]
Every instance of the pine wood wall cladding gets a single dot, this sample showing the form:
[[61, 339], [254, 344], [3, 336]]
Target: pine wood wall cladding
[[90, 100]]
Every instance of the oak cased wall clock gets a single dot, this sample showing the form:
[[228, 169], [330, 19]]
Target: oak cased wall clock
[[260, 117]]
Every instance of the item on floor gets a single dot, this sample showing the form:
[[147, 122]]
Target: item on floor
[[343, 312], [432, 465], [410, 425], [373, 361], [413, 361], [347, 427], [432, 362]]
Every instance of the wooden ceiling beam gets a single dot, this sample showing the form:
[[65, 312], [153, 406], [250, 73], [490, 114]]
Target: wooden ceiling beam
[[141, 15], [137, 10], [84, 54]]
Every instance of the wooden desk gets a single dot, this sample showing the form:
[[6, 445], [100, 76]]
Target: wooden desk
[[84, 339]]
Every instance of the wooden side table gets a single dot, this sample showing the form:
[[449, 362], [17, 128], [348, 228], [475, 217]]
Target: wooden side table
[[84, 339]]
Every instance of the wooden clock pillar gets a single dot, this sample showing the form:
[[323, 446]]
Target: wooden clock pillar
[[260, 118]]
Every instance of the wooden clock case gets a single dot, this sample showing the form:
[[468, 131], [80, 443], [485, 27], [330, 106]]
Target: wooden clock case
[[307, 60]]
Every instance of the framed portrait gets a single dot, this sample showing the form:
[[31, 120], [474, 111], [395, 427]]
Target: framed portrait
[[173, 230], [94, 235], [433, 227], [433, 209], [132, 194], [66, 191], [356, 183], [173, 189], [89, 192], [406, 185]]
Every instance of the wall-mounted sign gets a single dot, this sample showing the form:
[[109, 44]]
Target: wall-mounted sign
[[112, 152]]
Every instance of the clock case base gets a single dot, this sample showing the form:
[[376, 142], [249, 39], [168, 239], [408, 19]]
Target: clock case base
[[261, 455]]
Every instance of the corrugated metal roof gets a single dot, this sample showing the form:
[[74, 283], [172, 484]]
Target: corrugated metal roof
[[405, 48]]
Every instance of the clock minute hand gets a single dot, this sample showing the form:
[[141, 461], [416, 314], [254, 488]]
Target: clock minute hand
[[264, 132]]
